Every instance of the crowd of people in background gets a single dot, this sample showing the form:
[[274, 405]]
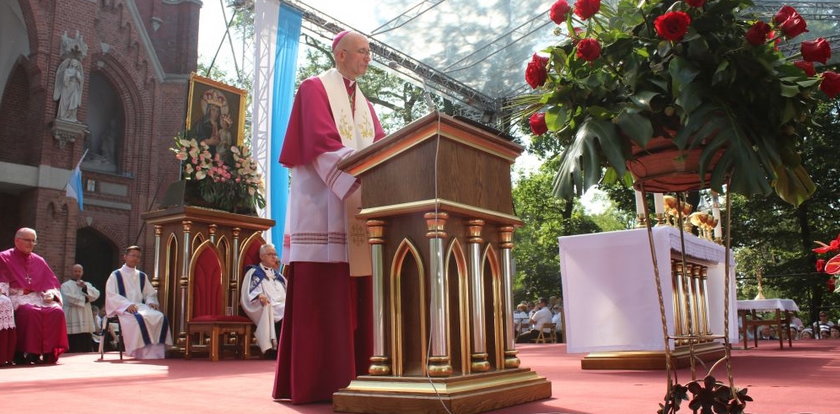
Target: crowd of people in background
[[822, 328], [530, 317]]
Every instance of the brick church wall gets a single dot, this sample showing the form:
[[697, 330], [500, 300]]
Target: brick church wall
[[154, 104]]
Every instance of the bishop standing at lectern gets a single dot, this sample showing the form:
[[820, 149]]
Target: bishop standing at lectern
[[324, 342]]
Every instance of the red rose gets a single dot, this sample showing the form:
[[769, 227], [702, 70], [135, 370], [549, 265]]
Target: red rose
[[830, 84], [672, 25], [537, 122], [790, 22], [820, 265], [816, 50], [783, 14], [587, 8], [806, 67], [696, 3], [559, 11], [536, 72], [757, 34], [588, 49]]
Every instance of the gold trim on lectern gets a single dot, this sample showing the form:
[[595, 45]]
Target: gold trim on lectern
[[441, 204]]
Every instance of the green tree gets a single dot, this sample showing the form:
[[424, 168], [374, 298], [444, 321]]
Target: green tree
[[780, 237], [535, 248]]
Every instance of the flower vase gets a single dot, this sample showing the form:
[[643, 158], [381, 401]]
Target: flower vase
[[661, 167]]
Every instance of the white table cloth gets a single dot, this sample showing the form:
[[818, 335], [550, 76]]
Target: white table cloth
[[609, 292], [768, 305]]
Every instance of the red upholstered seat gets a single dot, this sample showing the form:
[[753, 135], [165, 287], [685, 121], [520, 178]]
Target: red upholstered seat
[[207, 285], [206, 303]]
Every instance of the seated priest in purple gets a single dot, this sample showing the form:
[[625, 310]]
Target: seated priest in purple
[[35, 295], [326, 339], [130, 296], [8, 333]]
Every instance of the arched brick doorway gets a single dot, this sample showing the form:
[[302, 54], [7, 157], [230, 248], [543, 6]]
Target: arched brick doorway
[[99, 256]]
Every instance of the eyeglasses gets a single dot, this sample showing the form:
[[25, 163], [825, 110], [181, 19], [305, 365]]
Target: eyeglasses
[[364, 52], [33, 241]]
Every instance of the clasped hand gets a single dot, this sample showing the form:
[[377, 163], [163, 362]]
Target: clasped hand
[[134, 308]]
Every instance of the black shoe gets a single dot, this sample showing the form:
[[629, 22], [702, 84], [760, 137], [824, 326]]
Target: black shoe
[[270, 354]]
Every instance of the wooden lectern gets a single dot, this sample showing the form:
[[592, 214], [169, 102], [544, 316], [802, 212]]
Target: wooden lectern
[[436, 197]]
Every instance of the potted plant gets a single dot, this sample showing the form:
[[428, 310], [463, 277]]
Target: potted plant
[[227, 180], [697, 85]]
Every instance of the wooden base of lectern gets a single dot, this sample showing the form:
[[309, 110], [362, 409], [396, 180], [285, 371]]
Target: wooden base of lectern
[[651, 359], [474, 393]]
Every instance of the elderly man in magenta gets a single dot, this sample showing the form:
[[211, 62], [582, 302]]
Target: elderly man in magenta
[[36, 299]]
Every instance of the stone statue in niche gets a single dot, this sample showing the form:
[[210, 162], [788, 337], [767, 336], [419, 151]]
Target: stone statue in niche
[[103, 147], [70, 77]]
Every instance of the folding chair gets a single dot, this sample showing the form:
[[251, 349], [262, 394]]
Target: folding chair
[[106, 336], [544, 337]]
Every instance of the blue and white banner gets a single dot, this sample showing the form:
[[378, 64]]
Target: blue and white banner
[[74, 188], [277, 32]]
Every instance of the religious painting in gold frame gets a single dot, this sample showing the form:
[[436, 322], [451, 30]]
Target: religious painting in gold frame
[[215, 113]]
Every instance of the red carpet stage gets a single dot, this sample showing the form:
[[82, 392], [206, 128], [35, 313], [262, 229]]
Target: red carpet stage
[[799, 380]]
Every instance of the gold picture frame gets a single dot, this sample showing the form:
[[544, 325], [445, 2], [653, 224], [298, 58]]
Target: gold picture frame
[[215, 113]]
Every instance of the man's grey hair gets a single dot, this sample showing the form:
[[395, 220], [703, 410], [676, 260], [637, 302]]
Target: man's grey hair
[[264, 247]]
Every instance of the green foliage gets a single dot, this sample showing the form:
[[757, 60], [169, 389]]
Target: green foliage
[[777, 237], [711, 87], [546, 217]]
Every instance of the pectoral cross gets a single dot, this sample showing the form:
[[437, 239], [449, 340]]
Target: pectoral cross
[[28, 279]]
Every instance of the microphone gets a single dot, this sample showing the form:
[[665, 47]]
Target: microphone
[[427, 96]]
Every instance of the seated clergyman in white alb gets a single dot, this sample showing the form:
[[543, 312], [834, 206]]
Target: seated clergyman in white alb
[[129, 294], [264, 299]]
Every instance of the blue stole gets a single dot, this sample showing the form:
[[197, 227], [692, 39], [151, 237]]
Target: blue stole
[[259, 275], [147, 339]]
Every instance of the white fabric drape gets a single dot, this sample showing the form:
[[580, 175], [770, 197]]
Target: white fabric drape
[[609, 293]]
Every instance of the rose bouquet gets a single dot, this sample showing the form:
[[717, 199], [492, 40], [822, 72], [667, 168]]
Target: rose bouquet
[[703, 77], [228, 180]]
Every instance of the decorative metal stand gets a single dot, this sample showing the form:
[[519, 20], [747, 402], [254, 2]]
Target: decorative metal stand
[[692, 330]]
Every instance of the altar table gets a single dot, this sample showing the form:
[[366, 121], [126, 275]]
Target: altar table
[[610, 298], [748, 308]]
